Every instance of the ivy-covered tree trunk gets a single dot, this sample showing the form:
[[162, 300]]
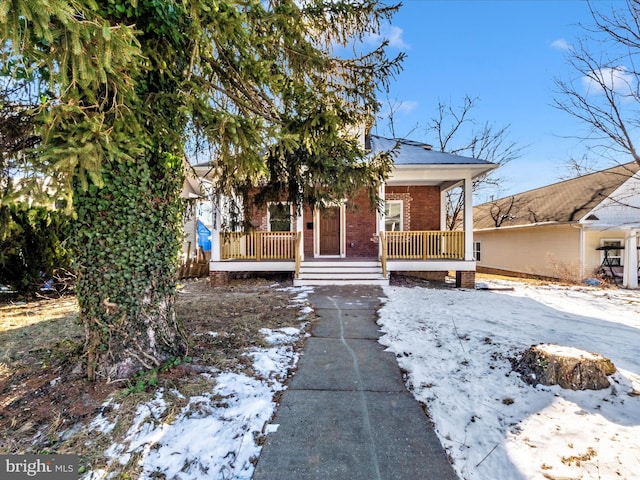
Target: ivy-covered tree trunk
[[126, 245]]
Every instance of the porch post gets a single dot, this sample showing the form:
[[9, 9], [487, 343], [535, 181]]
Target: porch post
[[443, 209], [381, 218], [216, 222], [630, 275], [468, 219], [300, 231]]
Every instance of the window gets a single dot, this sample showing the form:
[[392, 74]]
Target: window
[[393, 215], [614, 254], [476, 251], [279, 217]]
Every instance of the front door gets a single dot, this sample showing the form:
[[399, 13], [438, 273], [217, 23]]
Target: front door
[[330, 231]]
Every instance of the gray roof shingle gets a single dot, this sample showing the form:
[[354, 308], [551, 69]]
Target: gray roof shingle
[[410, 152]]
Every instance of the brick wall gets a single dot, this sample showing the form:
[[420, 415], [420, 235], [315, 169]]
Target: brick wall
[[465, 279], [308, 227], [421, 211], [218, 278], [421, 206], [362, 239]]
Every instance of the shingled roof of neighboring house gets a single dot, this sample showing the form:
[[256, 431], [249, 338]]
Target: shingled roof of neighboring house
[[564, 202]]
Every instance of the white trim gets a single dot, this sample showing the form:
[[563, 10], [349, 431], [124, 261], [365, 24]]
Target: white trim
[[343, 235], [380, 218], [630, 272], [621, 244], [468, 218], [478, 250], [401, 202]]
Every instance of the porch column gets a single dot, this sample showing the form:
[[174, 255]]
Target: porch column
[[216, 222], [468, 219], [381, 218], [300, 231], [630, 275], [443, 209]]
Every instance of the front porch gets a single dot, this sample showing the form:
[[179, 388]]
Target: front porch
[[402, 251]]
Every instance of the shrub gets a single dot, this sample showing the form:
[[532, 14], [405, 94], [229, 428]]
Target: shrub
[[32, 246]]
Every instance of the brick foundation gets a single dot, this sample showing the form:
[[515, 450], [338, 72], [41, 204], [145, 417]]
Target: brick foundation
[[218, 278], [465, 279]]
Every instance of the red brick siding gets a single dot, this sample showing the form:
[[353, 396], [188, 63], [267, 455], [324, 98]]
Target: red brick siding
[[307, 216], [362, 240], [421, 211], [218, 278], [465, 279], [421, 206]]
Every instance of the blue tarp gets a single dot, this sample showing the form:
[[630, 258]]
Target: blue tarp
[[204, 237]]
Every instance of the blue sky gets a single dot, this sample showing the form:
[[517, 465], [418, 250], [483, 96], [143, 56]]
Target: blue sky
[[507, 54]]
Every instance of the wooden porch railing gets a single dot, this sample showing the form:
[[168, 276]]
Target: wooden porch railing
[[424, 245], [258, 245]]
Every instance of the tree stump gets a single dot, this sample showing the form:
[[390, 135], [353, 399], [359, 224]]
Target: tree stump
[[568, 367]]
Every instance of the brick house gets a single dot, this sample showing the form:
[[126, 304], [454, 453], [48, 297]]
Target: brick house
[[349, 242]]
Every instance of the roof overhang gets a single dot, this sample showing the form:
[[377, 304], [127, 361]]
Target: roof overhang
[[447, 175], [526, 225]]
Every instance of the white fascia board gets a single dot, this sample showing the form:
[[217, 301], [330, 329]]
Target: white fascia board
[[528, 225], [435, 174]]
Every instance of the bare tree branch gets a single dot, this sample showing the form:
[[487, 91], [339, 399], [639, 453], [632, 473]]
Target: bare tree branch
[[605, 92], [487, 142]]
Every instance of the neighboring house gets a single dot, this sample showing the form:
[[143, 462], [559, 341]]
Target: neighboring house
[[569, 230], [196, 190], [349, 242], [192, 190]]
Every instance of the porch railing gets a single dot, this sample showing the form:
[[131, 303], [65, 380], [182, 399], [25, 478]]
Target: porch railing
[[424, 245], [258, 245]]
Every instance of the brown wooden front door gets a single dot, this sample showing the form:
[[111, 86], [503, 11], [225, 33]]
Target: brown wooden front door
[[330, 231]]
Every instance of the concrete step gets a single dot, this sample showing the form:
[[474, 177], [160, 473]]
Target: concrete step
[[301, 282], [325, 269], [341, 273]]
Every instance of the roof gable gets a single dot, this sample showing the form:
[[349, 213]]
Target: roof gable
[[563, 202]]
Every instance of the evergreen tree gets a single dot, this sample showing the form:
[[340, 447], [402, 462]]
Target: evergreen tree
[[131, 83]]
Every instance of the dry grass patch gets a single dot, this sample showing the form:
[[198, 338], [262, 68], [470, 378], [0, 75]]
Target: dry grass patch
[[46, 404]]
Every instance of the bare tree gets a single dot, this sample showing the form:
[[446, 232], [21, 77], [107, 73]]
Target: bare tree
[[577, 167], [501, 210], [458, 133], [394, 107], [605, 91]]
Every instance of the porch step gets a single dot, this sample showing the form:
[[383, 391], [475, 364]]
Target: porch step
[[341, 273]]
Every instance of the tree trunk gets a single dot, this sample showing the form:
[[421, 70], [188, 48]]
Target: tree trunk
[[127, 242]]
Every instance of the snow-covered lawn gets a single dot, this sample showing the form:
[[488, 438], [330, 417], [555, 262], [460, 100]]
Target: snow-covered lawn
[[215, 435], [456, 344]]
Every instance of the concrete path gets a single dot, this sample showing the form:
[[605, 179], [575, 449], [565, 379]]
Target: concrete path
[[346, 413]]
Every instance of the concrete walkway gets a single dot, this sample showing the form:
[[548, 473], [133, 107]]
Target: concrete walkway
[[346, 413]]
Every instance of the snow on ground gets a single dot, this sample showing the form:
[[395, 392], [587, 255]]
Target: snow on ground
[[214, 435], [456, 346]]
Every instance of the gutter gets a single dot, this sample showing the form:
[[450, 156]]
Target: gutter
[[528, 225]]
